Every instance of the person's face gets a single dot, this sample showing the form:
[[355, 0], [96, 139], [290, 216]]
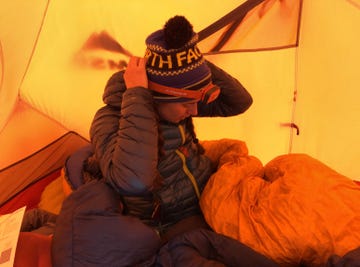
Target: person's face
[[176, 112]]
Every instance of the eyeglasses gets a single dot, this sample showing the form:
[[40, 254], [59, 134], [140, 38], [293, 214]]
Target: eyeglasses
[[206, 94]]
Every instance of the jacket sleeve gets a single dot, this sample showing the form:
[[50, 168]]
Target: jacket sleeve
[[125, 137], [234, 99]]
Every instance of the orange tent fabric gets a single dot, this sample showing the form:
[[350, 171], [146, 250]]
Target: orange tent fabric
[[297, 58]]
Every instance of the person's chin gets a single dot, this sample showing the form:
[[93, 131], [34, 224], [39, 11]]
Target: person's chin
[[177, 121], [182, 119]]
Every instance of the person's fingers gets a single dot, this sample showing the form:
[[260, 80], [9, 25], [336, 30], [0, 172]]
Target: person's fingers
[[142, 61], [132, 61], [137, 61], [135, 73]]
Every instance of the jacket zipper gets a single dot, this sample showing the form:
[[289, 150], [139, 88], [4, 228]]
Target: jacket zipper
[[185, 167]]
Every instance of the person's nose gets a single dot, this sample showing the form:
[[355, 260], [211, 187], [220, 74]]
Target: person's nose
[[192, 109]]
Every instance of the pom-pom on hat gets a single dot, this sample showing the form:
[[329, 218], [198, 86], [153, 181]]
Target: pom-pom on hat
[[175, 62]]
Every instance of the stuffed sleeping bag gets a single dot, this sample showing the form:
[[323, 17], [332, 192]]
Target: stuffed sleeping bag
[[294, 210]]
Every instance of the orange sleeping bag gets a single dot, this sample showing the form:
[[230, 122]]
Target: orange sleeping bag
[[293, 210]]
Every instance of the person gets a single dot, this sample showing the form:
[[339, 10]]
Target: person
[[136, 197], [144, 139]]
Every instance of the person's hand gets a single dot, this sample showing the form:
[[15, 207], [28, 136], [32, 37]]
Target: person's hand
[[135, 73]]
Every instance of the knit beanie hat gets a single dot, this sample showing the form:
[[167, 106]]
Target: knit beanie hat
[[175, 67]]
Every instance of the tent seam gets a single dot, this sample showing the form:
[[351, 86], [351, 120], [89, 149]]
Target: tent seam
[[3, 66], [35, 44]]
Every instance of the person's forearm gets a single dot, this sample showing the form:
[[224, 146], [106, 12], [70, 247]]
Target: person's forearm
[[234, 99]]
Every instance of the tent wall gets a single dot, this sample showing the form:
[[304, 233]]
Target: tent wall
[[44, 91], [27, 131], [265, 74], [19, 176], [314, 86], [20, 22], [64, 81], [328, 76], [269, 76], [70, 89]]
